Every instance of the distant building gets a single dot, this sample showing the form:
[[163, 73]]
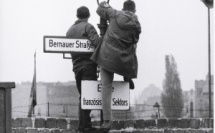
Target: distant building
[[202, 97], [53, 100], [143, 107], [146, 109], [189, 99], [150, 111], [150, 91]]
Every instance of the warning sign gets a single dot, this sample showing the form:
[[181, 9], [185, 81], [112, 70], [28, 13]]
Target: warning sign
[[92, 98]]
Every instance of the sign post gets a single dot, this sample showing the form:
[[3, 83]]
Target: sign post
[[102, 27], [209, 4]]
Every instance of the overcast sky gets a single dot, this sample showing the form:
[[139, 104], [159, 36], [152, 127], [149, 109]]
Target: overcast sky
[[176, 27]]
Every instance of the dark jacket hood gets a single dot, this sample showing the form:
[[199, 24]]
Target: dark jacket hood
[[127, 20]]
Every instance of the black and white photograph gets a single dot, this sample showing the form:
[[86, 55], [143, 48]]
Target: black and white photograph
[[106, 66]]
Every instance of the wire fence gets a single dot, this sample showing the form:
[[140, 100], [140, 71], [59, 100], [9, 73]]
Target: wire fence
[[136, 111]]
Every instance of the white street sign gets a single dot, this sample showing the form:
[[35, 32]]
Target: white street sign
[[91, 97], [60, 44]]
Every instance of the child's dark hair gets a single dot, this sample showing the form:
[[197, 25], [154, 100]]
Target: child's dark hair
[[129, 5], [83, 12]]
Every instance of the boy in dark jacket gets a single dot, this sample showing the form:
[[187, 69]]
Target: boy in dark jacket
[[117, 52], [83, 67]]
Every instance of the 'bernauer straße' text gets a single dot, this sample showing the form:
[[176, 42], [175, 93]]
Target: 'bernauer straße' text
[[77, 44]]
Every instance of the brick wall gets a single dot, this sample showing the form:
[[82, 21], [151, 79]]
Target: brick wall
[[54, 125]]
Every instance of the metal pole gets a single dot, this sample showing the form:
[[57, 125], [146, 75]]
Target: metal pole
[[209, 64], [158, 112], [102, 27], [191, 109], [48, 109], [101, 117], [126, 115], [33, 110]]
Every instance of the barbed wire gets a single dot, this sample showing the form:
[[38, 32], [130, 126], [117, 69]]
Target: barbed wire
[[28, 106], [161, 107], [133, 112], [52, 114], [141, 104], [63, 104]]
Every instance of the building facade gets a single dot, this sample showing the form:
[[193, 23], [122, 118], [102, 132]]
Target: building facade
[[202, 98], [189, 101], [53, 100]]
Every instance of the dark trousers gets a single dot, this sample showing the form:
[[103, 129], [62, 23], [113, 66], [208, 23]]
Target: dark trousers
[[87, 72]]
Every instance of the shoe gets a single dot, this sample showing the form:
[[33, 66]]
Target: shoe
[[86, 130], [77, 131], [106, 126], [90, 129], [131, 83]]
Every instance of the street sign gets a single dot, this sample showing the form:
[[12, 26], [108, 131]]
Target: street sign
[[208, 3], [91, 97], [61, 44]]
